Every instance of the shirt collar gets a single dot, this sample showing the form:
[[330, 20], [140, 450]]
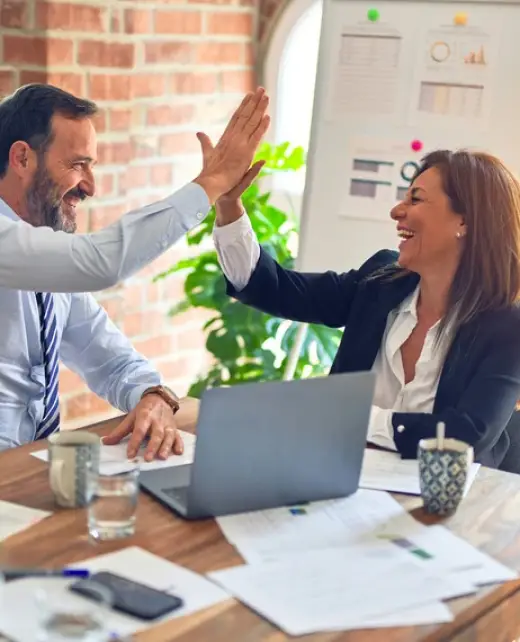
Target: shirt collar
[[6, 211], [410, 303]]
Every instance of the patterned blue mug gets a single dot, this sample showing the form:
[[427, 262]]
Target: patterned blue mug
[[443, 474]]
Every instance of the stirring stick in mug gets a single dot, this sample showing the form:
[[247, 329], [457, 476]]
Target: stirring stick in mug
[[441, 430]]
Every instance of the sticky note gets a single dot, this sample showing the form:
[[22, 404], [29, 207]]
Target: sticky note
[[416, 145], [460, 19], [373, 15]]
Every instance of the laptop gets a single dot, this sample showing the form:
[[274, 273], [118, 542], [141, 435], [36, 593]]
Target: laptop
[[264, 445]]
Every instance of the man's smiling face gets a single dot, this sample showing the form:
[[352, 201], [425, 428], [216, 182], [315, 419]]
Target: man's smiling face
[[63, 174]]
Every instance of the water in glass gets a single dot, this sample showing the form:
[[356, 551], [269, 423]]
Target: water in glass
[[113, 504]]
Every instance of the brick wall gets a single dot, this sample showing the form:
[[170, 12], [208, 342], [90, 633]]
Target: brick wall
[[160, 70]]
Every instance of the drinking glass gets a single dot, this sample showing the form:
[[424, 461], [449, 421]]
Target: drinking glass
[[73, 618], [113, 503]]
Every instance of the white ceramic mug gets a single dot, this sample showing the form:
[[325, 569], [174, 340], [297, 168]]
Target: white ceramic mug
[[71, 456]]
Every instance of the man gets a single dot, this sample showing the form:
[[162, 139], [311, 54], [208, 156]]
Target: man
[[90, 262], [47, 156]]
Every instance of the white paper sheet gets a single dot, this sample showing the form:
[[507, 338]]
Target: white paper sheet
[[114, 460], [382, 470], [19, 617], [363, 71], [335, 589], [373, 177], [450, 553], [491, 573], [365, 519], [264, 535], [15, 518], [434, 613], [440, 551], [456, 72]]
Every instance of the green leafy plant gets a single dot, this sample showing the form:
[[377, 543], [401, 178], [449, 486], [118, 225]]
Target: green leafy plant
[[248, 345]]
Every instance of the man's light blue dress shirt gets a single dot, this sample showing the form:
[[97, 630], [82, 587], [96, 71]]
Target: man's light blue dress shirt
[[90, 344], [91, 262]]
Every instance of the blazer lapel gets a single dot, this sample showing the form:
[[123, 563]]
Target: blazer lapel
[[463, 344], [362, 338], [391, 294]]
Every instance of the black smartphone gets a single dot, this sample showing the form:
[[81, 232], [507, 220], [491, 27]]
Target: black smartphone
[[129, 597]]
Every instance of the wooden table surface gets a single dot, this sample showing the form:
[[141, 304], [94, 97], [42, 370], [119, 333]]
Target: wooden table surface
[[489, 518]]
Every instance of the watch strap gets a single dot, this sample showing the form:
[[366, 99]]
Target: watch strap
[[167, 395]]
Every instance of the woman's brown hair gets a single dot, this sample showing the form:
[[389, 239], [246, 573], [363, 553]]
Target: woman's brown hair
[[487, 195]]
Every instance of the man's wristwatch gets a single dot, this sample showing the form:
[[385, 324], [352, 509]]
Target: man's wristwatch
[[167, 394]]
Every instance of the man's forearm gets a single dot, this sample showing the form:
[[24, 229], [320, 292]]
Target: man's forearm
[[37, 258]]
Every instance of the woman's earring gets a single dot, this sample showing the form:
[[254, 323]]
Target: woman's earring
[[458, 235]]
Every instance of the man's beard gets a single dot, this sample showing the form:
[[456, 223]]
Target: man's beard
[[45, 207]]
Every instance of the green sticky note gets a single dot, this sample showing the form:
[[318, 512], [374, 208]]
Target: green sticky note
[[422, 554], [373, 15]]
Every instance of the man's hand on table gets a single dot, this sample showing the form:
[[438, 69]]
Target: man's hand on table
[[151, 419]]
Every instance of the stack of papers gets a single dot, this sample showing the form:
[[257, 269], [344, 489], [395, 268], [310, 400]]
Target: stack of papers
[[342, 589], [15, 518], [366, 554], [114, 460], [19, 617], [383, 470]]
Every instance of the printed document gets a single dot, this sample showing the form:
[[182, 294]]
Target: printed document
[[19, 616], [335, 589], [15, 518], [264, 535], [365, 519], [113, 459], [383, 470]]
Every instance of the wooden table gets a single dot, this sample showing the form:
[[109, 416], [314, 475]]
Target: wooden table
[[489, 518]]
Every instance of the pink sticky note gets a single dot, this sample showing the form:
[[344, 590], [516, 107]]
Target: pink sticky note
[[416, 145]]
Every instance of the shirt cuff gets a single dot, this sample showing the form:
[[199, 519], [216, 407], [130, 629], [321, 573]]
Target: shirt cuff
[[228, 234], [192, 204], [380, 429], [134, 396]]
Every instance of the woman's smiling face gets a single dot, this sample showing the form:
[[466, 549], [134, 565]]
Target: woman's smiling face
[[431, 231]]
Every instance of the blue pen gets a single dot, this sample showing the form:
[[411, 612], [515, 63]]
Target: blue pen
[[16, 573]]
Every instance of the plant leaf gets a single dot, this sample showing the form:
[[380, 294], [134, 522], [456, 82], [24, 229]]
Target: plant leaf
[[247, 344]]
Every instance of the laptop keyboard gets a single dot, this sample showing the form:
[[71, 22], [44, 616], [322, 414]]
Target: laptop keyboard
[[178, 494]]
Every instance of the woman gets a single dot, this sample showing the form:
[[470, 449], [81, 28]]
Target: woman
[[438, 321]]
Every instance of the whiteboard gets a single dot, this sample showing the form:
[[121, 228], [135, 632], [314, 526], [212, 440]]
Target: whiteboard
[[412, 79]]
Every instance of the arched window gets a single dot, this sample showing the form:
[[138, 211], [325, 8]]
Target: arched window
[[289, 76]]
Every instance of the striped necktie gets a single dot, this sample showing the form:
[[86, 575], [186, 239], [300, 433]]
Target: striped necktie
[[49, 338]]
